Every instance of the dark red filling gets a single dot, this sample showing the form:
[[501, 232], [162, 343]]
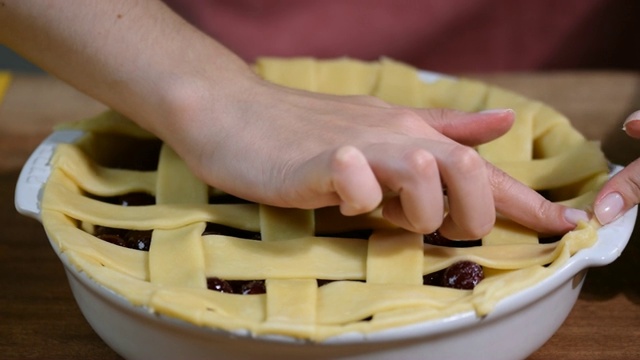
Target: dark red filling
[[435, 238], [217, 229], [248, 287], [130, 199], [461, 275], [351, 234], [227, 199], [132, 239]]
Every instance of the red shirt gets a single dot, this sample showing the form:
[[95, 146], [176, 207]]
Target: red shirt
[[441, 35]]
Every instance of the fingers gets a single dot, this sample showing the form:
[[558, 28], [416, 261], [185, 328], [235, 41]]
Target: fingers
[[355, 179], [354, 182], [527, 207], [342, 177], [414, 179], [470, 129], [417, 177], [619, 194], [470, 197]]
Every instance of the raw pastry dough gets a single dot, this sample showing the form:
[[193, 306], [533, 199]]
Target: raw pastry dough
[[378, 280]]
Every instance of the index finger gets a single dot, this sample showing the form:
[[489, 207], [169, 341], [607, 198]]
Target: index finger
[[527, 207]]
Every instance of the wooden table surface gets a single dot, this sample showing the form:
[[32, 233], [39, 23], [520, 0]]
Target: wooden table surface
[[40, 320]]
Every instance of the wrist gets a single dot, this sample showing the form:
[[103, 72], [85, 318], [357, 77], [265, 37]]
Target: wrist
[[198, 106]]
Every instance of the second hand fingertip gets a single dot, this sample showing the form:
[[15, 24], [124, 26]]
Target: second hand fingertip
[[609, 208], [630, 119]]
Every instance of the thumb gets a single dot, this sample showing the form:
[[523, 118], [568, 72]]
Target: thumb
[[619, 194], [622, 191], [470, 128]]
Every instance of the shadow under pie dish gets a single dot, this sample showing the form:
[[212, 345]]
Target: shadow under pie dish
[[146, 245]]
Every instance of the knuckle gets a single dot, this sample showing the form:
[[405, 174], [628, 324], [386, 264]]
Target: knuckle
[[466, 158], [414, 166], [546, 210], [342, 158], [420, 162], [406, 121]]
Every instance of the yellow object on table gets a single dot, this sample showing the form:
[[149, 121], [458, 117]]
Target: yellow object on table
[[5, 80]]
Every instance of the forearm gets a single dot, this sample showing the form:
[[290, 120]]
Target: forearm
[[133, 55]]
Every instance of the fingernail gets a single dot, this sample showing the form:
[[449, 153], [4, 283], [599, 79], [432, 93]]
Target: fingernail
[[633, 117], [574, 215], [609, 208], [496, 111]]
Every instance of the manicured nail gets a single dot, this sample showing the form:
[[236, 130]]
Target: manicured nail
[[574, 215], [496, 111], [609, 208], [633, 117]]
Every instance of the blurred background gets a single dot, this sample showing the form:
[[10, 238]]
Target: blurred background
[[461, 36], [12, 61]]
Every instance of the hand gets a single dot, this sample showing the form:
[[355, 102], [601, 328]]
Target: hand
[[622, 191], [291, 148]]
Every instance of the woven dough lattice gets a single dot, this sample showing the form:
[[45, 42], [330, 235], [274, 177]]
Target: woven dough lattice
[[374, 282]]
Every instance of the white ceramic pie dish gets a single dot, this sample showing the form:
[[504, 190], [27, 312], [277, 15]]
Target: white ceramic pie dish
[[518, 325]]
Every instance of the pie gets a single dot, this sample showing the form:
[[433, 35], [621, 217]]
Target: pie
[[149, 230]]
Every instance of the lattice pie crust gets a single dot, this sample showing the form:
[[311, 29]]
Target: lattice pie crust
[[378, 280]]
